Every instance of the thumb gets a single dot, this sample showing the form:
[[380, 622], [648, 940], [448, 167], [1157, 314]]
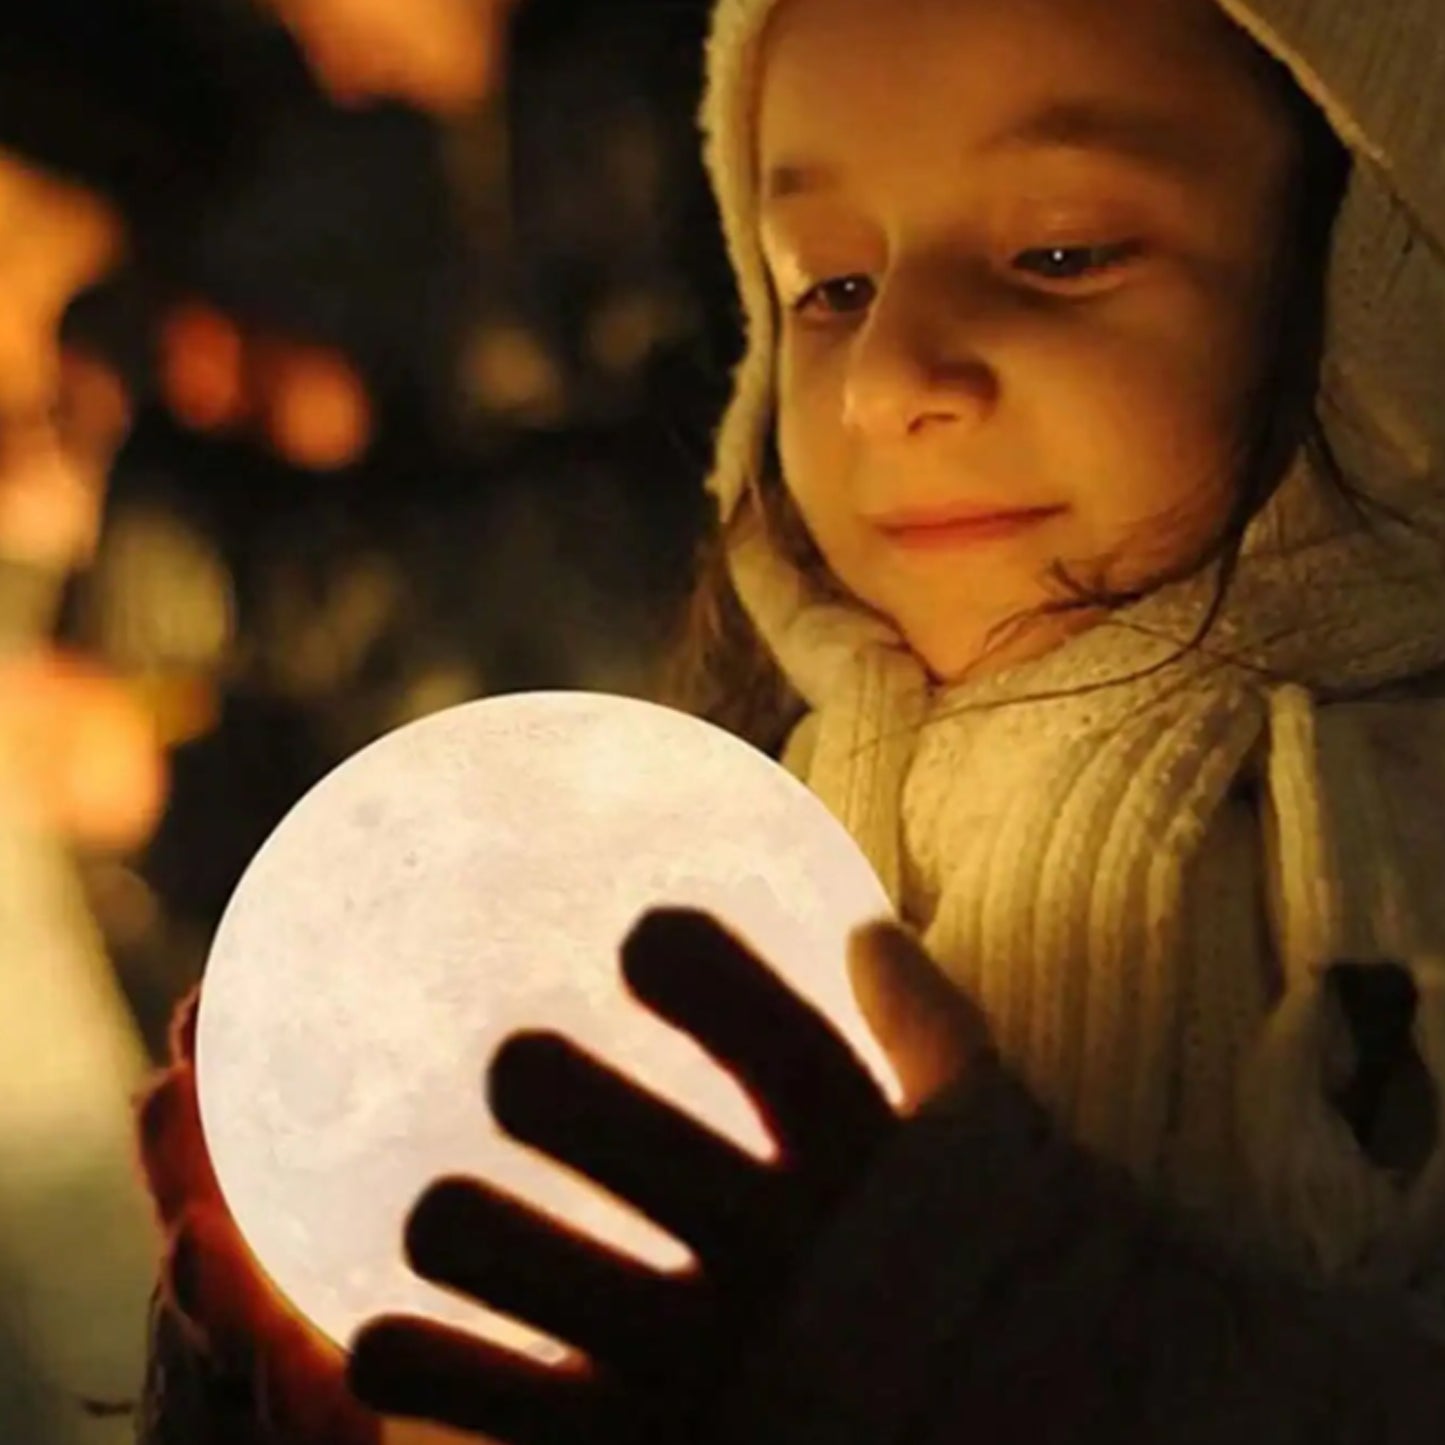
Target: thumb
[[933, 1034]]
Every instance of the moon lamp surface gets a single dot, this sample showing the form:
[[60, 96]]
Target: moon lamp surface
[[467, 876]]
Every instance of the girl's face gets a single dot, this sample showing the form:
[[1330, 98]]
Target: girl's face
[[1020, 250]]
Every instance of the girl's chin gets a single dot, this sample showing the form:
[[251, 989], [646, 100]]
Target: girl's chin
[[978, 647]]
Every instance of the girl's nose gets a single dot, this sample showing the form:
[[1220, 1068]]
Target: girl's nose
[[913, 370]]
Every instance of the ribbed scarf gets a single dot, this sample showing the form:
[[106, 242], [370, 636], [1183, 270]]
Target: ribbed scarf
[[1042, 828]]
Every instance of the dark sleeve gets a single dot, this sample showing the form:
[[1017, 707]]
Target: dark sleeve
[[990, 1283]]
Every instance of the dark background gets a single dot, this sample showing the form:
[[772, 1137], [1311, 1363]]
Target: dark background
[[539, 304]]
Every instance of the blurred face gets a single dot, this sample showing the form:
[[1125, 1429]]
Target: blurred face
[[61, 417], [1020, 254]]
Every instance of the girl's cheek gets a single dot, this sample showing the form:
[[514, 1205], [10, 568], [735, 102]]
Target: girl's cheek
[[1181, 502], [811, 397]]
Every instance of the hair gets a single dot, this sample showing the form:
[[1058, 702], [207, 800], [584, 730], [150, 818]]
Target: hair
[[719, 666]]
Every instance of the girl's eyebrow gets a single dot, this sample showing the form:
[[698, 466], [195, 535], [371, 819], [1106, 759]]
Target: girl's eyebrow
[[1147, 138]]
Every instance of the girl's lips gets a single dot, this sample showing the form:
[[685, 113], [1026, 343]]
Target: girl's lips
[[923, 533]]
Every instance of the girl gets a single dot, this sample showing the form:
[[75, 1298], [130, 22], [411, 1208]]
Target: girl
[[1092, 530], [1080, 494]]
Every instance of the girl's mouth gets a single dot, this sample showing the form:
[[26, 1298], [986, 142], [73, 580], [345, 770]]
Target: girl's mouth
[[940, 530]]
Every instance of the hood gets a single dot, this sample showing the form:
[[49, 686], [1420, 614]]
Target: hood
[[1371, 69]]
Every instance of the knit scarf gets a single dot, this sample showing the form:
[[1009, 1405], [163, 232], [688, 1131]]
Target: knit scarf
[[1040, 828]]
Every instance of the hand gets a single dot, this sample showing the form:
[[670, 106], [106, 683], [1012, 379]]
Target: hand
[[440, 55], [660, 1348], [239, 1325]]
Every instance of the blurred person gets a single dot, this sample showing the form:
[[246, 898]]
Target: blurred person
[[107, 148], [71, 195], [64, 731]]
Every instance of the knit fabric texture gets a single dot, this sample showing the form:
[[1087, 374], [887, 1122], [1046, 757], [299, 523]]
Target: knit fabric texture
[[1081, 840]]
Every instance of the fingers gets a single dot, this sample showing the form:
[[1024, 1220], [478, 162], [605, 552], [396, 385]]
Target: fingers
[[217, 1284], [209, 1280], [183, 1027], [214, 1282], [708, 1193], [930, 1031], [303, 1384], [469, 1237], [821, 1105], [418, 1370], [242, 1322], [173, 1148]]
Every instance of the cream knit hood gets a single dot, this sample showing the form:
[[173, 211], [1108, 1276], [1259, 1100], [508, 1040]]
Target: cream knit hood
[[1078, 862]]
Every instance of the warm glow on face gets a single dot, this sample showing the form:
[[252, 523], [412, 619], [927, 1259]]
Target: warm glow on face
[[468, 876]]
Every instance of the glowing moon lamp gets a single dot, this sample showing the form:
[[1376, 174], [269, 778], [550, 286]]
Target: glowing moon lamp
[[467, 876]]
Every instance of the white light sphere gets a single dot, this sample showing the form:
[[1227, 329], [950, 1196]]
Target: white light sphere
[[467, 876]]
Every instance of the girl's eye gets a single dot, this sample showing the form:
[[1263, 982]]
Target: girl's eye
[[1074, 263], [841, 296]]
